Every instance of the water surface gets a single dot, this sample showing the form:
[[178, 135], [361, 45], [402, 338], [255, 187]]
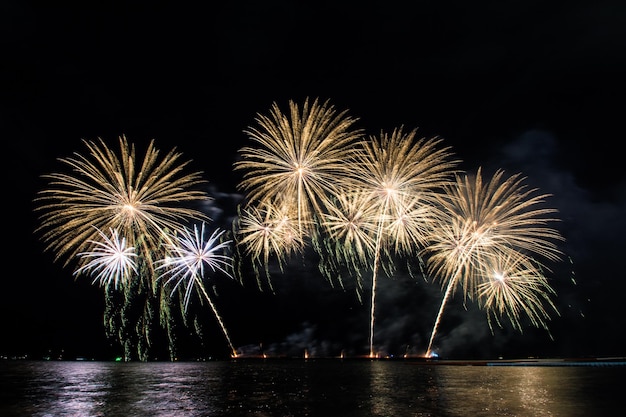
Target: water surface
[[326, 388]]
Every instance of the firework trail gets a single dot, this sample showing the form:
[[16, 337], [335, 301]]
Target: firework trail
[[481, 225], [141, 199], [185, 266], [298, 157], [399, 176]]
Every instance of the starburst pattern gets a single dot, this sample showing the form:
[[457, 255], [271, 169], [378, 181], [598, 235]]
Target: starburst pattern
[[394, 170], [514, 286], [408, 227], [110, 260], [347, 237], [142, 200], [185, 266], [298, 157], [267, 233], [309, 177], [351, 224], [189, 254], [480, 222]]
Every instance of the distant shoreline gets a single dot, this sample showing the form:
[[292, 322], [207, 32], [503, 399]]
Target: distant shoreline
[[617, 361], [597, 362]]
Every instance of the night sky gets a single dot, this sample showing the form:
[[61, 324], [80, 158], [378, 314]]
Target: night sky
[[526, 86]]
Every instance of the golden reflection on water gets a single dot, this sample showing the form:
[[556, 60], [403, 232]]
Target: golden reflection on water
[[307, 388], [509, 390]]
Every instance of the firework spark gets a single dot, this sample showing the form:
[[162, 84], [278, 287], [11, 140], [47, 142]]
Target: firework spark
[[347, 237], [481, 222], [299, 157], [515, 285], [143, 200], [107, 191], [394, 170], [110, 260], [190, 252], [267, 232]]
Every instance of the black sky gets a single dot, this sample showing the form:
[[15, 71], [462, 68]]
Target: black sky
[[527, 86]]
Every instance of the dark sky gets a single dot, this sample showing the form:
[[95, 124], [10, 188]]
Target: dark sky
[[526, 86]]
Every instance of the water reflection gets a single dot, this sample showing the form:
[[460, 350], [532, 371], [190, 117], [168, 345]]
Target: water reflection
[[304, 388], [527, 391], [400, 389]]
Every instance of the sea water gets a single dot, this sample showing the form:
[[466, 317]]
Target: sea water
[[306, 387]]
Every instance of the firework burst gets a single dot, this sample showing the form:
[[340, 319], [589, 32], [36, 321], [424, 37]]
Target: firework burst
[[265, 233], [399, 174], [185, 266], [298, 158], [142, 200], [479, 222], [110, 260], [515, 286], [347, 237]]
